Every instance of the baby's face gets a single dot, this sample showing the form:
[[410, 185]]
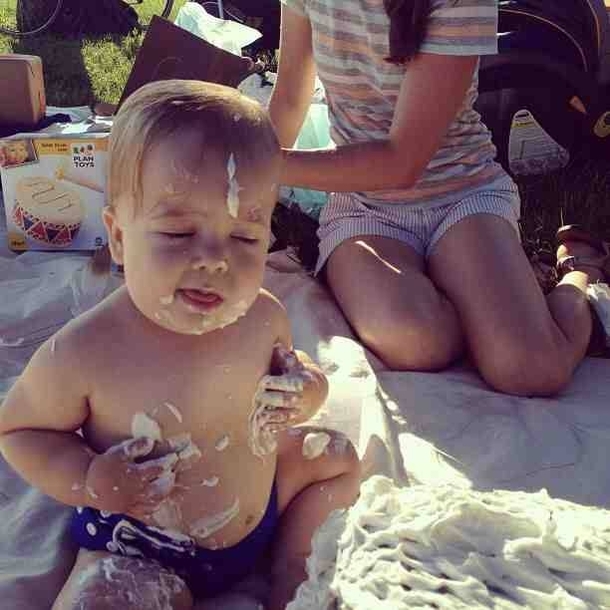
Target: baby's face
[[194, 252], [16, 152]]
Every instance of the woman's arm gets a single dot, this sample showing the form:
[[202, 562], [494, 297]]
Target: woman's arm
[[294, 86], [432, 92]]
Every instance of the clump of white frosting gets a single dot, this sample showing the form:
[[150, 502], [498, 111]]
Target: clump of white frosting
[[174, 410], [222, 443], [451, 548], [228, 314], [144, 426], [102, 583], [261, 439], [234, 188], [314, 444], [206, 526]]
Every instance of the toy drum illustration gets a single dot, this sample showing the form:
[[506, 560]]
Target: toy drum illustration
[[47, 211]]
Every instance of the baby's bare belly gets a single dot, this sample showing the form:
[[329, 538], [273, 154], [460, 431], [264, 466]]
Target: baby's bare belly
[[222, 497]]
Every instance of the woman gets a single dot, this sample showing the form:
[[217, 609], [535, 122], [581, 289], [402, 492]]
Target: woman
[[419, 240]]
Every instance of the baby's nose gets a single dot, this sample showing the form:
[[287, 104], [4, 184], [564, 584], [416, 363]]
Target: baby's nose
[[212, 263]]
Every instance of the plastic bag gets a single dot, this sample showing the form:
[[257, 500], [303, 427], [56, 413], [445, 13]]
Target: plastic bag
[[228, 35]]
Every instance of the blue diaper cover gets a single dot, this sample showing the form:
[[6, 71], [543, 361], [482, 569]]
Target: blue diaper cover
[[206, 572]]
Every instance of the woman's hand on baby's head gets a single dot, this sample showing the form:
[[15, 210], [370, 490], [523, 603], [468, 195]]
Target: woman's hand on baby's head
[[120, 481]]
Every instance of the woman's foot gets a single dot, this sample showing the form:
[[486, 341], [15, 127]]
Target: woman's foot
[[103, 108], [579, 250]]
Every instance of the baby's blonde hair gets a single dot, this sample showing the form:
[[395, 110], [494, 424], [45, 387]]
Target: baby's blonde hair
[[227, 121]]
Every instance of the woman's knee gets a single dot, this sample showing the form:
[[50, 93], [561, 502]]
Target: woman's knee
[[530, 368], [411, 344]]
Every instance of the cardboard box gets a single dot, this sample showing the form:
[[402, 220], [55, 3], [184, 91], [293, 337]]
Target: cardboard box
[[54, 190], [169, 51], [22, 95]]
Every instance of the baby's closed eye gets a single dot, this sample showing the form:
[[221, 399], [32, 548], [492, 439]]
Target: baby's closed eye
[[174, 235]]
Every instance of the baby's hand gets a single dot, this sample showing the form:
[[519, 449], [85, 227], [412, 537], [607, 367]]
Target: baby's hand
[[284, 395], [117, 483]]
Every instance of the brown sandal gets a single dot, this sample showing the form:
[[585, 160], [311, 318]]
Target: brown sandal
[[571, 263]]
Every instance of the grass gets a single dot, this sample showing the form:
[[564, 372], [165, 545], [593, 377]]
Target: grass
[[79, 71]]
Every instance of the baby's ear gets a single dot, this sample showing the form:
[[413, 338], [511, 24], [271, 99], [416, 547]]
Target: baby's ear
[[115, 234]]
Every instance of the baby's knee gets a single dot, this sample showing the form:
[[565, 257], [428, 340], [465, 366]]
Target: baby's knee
[[124, 582], [341, 466], [338, 453]]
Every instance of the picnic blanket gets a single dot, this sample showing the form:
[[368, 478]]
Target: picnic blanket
[[413, 427]]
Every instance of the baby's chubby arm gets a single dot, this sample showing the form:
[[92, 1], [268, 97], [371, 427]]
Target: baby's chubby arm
[[38, 437], [38, 423]]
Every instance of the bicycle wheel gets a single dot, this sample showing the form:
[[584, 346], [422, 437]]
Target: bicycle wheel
[[147, 9], [22, 18]]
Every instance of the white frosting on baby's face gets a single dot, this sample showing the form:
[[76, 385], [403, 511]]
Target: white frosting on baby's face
[[233, 187]]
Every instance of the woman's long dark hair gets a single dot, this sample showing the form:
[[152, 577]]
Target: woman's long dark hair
[[407, 27]]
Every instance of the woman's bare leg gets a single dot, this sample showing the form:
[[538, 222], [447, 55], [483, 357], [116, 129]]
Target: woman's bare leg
[[103, 581], [396, 311], [522, 342]]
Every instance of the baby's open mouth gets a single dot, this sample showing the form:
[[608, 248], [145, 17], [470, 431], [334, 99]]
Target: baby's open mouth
[[201, 301]]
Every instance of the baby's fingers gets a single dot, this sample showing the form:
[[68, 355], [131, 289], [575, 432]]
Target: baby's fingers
[[165, 463], [142, 512], [154, 469], [153, 493], [131, 449], [284, 359], [134, 448], [148, 507], [161, 487], [279, 415], [282, 383], [274, 399]]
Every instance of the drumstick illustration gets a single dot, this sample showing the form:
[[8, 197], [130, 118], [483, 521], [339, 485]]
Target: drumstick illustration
[[69, 175]]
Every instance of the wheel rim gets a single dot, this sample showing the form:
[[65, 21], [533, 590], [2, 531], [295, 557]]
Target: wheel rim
[[14, 23]]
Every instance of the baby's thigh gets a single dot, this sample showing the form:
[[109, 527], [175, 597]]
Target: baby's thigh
[[310, 454], [103, 581]]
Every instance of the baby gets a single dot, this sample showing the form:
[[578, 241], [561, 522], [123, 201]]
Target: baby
[[182, 383], [13, 152]]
